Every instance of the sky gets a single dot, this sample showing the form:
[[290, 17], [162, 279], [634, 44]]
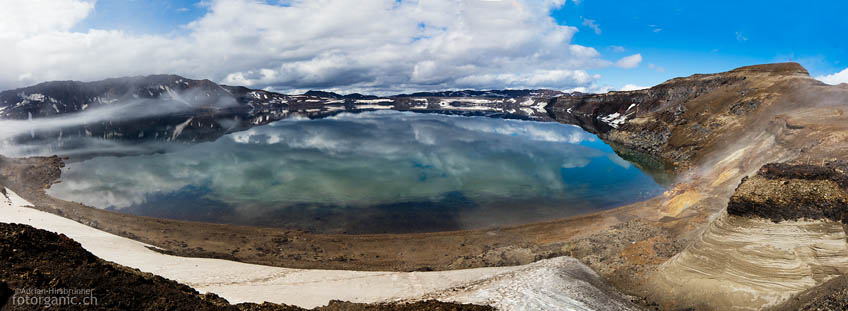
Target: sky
[[394, 46]]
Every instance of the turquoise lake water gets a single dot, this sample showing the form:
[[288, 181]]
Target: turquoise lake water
[[373, 172]]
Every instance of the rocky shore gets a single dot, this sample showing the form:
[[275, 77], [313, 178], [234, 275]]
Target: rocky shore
[[547, 284], [37, 259]]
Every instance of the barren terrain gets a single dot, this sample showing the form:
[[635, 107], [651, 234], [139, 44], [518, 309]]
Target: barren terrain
[[708, 243]]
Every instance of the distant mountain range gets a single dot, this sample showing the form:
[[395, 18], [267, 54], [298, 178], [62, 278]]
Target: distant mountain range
[[170, 107]]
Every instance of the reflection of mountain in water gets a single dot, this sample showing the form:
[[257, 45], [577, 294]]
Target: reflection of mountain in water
[[170, 107], [404, 171], [79, 119]]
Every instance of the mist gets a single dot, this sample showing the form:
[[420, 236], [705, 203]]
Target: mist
[[170, 104]]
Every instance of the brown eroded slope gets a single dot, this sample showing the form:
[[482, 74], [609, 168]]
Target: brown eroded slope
[[684, 119], [716, 129], [783, 232]]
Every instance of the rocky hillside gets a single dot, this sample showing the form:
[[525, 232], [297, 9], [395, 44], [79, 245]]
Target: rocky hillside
[[682, 119], [765, 195]]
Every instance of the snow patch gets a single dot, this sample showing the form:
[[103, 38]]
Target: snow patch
[[35, 97], [474, 108], [476, 101], [561, 283], [373, 107], [179, 128], [540, 106], [374, 101], [615, 120], [107, 101]]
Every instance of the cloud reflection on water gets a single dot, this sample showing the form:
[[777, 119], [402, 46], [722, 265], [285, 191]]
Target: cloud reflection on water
[[357, 161]]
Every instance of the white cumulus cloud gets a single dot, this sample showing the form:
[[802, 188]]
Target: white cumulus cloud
[[628, 62], [592, 24], [22, 18], [632, 87], [384, 47], [836, 78]]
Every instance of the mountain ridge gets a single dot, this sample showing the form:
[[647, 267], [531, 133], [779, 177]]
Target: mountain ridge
[[171, 107]]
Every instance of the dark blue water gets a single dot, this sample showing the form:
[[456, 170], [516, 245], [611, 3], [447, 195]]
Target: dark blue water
[[369, 173]]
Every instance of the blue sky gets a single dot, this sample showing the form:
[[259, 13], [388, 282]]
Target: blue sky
[[685, 37], [143, 16], [394, 46]]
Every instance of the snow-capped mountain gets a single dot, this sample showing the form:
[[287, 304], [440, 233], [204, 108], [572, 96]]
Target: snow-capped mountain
[[170, 107]]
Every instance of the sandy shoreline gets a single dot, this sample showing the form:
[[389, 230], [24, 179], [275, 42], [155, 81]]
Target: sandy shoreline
[[241, 282]]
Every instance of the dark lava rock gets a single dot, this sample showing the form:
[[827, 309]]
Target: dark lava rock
[[830, 296], [782, 191], [5, 293], [744, 107], [38, 259], [834, 171]]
